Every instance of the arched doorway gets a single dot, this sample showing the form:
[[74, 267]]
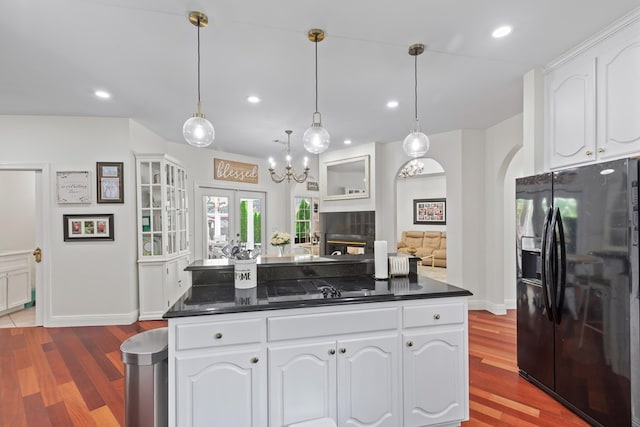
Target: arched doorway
[[421, 191]]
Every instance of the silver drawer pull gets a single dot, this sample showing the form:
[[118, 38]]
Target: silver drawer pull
[[218, 335], [409, 343], [343, 350], [588, 153], [254, 360], [332, 351], [436, 316], [600, 150]]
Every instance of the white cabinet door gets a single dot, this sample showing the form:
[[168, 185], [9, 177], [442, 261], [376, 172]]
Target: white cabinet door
[[171, 283], [433, 375], [619, 95], [302, 383], [3, 292], [368, 372], [222, 390], [571, 120], [18, 288]]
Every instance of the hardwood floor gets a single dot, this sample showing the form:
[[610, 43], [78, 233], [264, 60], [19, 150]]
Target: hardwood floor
[[74, 377]]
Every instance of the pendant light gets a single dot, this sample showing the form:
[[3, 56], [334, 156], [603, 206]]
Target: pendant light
[[416, 144], [289, 173], [198, 131], [316, 139]]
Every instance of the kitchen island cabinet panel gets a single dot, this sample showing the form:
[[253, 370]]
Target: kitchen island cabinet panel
[[435, 383], [225, 389], [302, 382]]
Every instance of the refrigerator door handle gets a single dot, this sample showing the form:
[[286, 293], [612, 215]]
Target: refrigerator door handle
[[560, 278], [545, 273]]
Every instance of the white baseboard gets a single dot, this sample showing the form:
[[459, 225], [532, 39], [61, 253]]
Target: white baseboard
[[510, 304], [491, 307], [93, 319]]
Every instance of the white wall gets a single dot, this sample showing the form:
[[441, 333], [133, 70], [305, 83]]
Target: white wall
[[17, 216], [91, 282], [514, 171], [503, 141], [432, 186]]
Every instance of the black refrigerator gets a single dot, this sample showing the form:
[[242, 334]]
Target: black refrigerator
[[577, 289]]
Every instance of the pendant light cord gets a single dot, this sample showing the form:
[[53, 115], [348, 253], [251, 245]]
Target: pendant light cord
[[198, 63], [316, 43], [415, 74]]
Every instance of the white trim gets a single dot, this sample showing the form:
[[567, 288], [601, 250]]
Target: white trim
[[497, 309], [604, 34], [43, 237], [94, 320], [510, 304]]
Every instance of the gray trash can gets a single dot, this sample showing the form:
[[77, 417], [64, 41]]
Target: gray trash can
[[145, 378]]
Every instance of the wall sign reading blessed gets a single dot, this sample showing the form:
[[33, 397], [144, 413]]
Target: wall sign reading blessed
[[228, 170]]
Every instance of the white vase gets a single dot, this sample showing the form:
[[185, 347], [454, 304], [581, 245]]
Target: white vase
[[281, 249]]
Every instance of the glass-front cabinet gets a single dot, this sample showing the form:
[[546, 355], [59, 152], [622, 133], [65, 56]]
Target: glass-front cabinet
[[163, 232]]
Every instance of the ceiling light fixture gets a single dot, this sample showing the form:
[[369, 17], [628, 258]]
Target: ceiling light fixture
[[392, 104], [416, 144], [289, 173], [102, 94], [316, 139], [501, 32], [197, 130], [413, 168], [347, 142], [253, 99]]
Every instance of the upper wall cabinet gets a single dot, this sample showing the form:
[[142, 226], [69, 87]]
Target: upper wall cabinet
[[593, 101]]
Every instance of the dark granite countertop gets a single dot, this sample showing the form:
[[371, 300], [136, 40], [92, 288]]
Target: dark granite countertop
[[268, 261], [222, 297]]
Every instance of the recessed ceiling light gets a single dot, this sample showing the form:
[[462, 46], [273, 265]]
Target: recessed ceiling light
[[253, 99], [102, 94], [607, 171], [347, 141], [501, 31], [392, 104]]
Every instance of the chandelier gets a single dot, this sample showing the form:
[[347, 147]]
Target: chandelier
[[289, 173], [413, 168]]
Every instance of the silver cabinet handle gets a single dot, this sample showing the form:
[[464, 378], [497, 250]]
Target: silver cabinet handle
[[332, 351], [589, 153], [436, 316], [409, 343], [218, 335], [343, 350], [600, 150], [254, 360]]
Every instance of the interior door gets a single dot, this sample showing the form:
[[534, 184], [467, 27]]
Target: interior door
[[229, 216]]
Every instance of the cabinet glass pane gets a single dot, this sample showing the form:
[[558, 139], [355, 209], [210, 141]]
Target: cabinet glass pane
[[145, 172], [155, 172], [157, 244], [147, 247], [145, 220], [145, 196], [156, 196], [157, 220]]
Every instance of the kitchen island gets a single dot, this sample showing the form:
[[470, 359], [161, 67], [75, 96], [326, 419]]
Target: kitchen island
[[307, 344]]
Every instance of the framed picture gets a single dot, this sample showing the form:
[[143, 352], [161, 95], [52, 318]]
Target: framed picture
[[110, 182], [430, 211], [73, 187], [88, 227]]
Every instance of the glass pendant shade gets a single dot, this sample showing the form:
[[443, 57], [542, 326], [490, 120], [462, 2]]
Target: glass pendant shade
[[316, 139], [198, 131], [416, 144]]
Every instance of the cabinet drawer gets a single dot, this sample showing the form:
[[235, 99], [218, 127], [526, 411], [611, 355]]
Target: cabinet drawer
[[218, 334], [432, 315], [324, 324]]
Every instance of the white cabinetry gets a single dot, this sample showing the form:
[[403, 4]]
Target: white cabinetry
[[15, 279], [163, 233], [593, 101], [355, 380], [435, 365], [278, 367]]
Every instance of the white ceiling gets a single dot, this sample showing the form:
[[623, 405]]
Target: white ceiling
[[54, 54]]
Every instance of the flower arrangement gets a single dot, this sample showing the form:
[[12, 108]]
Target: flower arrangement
[[280, 239]]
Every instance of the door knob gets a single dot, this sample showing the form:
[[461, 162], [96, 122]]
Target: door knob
[[38, 254]]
